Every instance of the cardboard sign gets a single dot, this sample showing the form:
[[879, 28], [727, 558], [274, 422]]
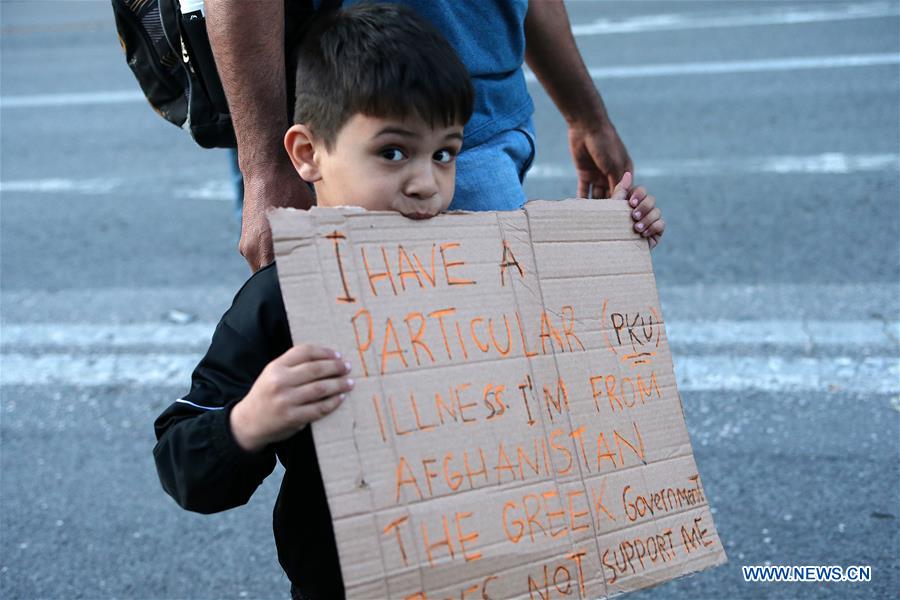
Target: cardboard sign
[[515, 430]]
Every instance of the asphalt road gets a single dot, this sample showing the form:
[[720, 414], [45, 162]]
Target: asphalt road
[[770, 134]]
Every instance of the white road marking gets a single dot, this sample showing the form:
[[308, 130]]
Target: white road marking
[[739, 66], [696, 302], [72, 99], [82, 335], [786, 333], [211, 190], [740, 354], [872, 374], [827, 163], [625, 72], [220, 190], [782, 15], [54, 185], [783, 333], [105, 369]]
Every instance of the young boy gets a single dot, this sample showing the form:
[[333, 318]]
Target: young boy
[[379, 118]]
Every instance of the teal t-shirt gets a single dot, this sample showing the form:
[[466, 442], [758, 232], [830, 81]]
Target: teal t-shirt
[[489, 36]]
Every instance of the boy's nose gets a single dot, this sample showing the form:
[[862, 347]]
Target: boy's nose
[[423, 183]]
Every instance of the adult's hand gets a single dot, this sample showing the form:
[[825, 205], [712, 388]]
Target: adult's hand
[[550, 50], [600, 159], [247, 40], [265, 187]]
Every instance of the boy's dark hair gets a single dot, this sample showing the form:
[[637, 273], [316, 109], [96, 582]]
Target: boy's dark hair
[[379, 60]]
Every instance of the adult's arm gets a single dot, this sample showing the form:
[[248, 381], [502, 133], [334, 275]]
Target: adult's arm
[[247, 39], [599, 154]]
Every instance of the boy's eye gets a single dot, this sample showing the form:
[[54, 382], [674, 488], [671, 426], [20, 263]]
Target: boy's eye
[[393, 154], [443, 156]]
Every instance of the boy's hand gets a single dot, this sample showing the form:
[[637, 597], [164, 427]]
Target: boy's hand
[[304, 384], [647, 219]]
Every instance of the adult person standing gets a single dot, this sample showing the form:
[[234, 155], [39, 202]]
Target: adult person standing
[[492, 37]]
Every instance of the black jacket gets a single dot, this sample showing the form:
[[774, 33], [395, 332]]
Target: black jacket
[[201, 465]]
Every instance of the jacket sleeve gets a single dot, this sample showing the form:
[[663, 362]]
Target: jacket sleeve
[[199, 462]]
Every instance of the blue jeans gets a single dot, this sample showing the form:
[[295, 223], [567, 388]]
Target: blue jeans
[[237, 181], [489, 176]]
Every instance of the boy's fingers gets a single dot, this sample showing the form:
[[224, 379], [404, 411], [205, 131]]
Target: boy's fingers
[[644, 224], [320, 389], [654, 240], [302, 353], [643, 209], [306, 413], [656, 229], [637, 196], [317, 369], [642, 205]]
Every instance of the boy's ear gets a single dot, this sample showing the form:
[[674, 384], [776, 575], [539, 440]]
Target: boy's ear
[[300, 145]]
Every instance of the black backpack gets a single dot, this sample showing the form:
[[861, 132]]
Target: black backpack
[[180, 81], [170, 56]]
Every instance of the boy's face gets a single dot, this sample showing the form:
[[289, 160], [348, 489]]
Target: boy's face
[[380, 163]]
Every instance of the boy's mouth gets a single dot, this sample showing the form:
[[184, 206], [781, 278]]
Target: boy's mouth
[[418, 215]]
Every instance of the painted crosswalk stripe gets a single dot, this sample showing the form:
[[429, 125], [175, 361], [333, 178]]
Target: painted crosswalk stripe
[[739, 66], [788, 334], [60, 185], [826, 163], [72, 99], [624, 72], [724, 355], [695, 303], [871, 374], [779, 15]]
